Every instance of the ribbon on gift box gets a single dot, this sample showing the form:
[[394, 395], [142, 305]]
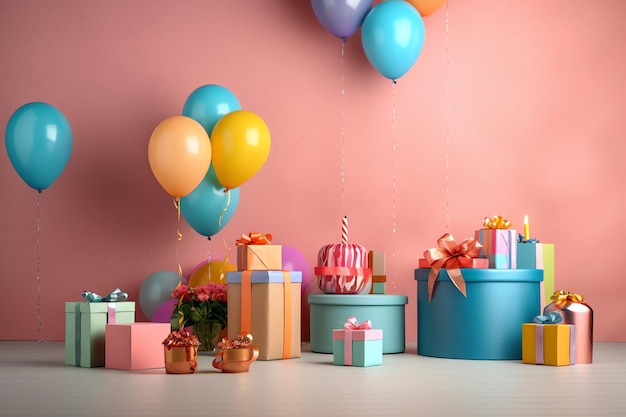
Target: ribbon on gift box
[[552, 318], [245, 324], [254, 238], [562, 297], [350, 325], [497, 222], [522, 239], [446, 255], [114, 296]]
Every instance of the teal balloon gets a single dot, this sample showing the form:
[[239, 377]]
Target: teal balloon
[[208, 104], [207, 208], [156, 289], [393, 35], [39, 143]]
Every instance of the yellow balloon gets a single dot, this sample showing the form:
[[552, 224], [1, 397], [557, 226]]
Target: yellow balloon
[[240, 144], [218, 270], [179, 153], [427, 7]]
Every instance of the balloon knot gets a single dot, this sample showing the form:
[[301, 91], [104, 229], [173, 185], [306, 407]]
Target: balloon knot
[[394, 81], [344, 40]]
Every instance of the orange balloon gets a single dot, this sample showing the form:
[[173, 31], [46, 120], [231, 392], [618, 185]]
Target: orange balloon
[[218, 270], [179, 153], [426, 7]]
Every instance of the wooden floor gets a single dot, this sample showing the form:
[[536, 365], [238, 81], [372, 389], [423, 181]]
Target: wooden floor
[[35, 382]]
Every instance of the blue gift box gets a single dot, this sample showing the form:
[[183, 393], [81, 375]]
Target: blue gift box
[[358, 347], [485, 324]]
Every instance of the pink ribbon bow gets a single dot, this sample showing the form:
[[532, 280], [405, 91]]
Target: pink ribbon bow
[[353, 324], [447, 255]]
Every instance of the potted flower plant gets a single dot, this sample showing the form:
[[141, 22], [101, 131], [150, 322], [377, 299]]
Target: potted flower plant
[[204, 308]]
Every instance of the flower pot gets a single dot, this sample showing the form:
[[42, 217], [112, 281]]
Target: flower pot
[[235, 360], [181, 359]]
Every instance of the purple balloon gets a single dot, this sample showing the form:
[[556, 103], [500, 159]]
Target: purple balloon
[[342, 18], [294, 260], [163, 313]]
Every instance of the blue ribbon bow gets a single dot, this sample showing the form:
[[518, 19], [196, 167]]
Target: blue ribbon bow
[[552, 318], [114, 296], [520, 239]]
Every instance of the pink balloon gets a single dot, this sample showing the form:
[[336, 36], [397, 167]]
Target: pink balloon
[[294, 260], [163, 313]]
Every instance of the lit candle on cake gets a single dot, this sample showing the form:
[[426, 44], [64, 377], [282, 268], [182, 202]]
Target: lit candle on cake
[[526, 228]]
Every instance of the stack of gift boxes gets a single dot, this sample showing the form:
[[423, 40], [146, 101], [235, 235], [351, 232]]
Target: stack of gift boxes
[[499, 248], [102, 332], [264, 300], [376, 263]]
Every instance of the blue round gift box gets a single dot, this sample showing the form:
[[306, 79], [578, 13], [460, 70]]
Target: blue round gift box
[[487, 324], [330, 311]]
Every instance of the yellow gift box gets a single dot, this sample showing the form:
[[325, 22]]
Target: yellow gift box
[[548, 344]]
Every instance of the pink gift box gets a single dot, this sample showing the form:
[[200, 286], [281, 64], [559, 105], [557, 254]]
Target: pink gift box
[[133, 346], [499, 246]]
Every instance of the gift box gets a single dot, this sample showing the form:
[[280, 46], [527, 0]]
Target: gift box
[[378, 287], [266, 304], [548, 344], [85, 327], [535, 255], [499, 247], [133, 346], [260, 257], [376, 262], [328, 312], [574, 310], [358, 346], [482, 324]]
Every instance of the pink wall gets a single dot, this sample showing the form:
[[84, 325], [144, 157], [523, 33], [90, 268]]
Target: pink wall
[[535, 125]]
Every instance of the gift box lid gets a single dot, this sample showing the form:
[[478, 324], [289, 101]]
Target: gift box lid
[[367, 334], [358, 299], [100, 307], [263, 277], [486, 275]]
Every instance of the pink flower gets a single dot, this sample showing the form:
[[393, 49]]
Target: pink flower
[[180, 291], [203, 297]]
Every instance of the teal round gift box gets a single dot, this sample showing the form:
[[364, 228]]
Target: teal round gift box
[[487, 324], [330, 311]]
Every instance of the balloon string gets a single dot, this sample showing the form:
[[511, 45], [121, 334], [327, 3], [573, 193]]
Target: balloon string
[[393, 187], [447, 122], [179, 236], [38, 334], [219, 221], [343, 132]]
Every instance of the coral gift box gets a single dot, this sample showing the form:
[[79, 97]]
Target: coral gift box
[[266, 304], [133, 346], [499, 247], [85, 326]]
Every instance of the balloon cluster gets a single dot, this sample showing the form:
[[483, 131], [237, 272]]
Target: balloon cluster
[[392, 32], [204, 155]]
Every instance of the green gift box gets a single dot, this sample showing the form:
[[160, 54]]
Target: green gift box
[[85, 325]]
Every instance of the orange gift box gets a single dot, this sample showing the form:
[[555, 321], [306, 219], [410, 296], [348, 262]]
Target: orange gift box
[[476, 263], [260, 257]]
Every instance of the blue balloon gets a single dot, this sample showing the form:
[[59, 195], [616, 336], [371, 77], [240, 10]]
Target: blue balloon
[[393, 37], [39, 143], [208, 104], [207, 209]]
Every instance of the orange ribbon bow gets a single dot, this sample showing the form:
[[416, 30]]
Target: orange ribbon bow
[[447, 255], [498, 222], [561, 297], [254, 238]]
